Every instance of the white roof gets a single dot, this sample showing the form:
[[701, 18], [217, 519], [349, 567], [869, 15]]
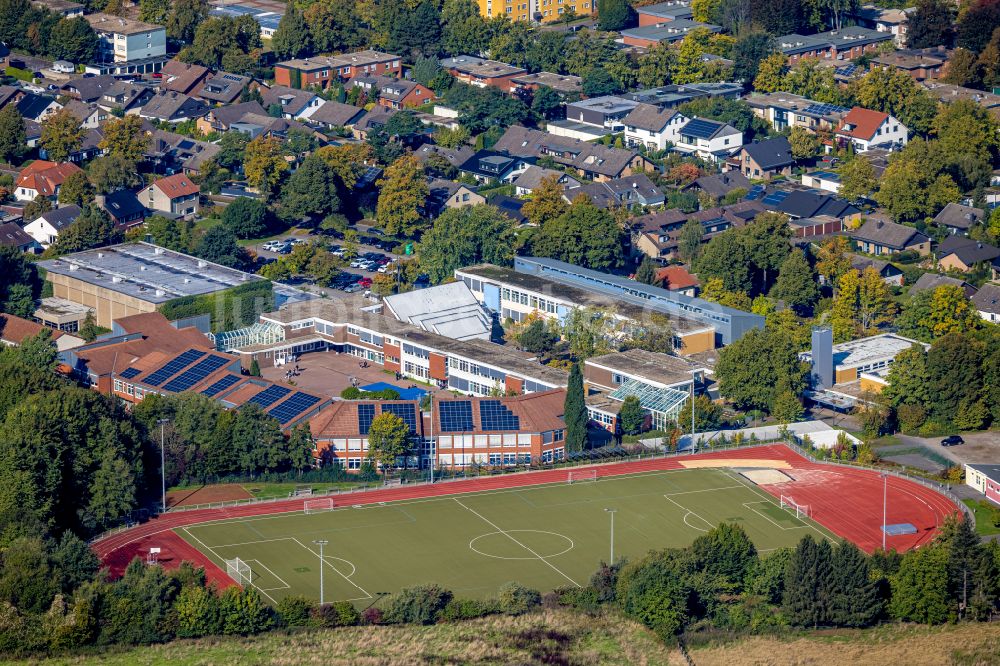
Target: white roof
[[450, 310]]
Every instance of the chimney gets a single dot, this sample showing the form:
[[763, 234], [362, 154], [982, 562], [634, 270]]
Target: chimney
[[822, 357]]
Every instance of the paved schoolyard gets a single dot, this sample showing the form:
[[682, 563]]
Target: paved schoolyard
[[328, 373]]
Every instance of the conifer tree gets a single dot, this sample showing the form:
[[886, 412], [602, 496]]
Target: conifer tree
[[856, 599], [808, 582], [575, 411]]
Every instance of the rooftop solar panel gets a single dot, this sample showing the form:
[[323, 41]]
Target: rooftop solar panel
[[198, 372], [406, 412], [494, 415], [700, 128], [824, 109], [456, 416], [221, 385], [775, 198], [173, 367], [293, 406], [365, 415], [270, 395], [129, 373]]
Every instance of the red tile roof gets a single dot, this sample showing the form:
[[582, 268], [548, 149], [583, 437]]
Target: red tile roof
[[15, 330], [178, 185], [676, 278], [862, 123], [44, 176]]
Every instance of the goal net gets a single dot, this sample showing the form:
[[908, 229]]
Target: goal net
[[317, 505], [578, 476], [801, 510], [239, 571]]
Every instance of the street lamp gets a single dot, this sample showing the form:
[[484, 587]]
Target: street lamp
[[612, 512], [321, 543], [163, 467]]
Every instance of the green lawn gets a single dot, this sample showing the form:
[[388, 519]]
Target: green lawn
[[542, 536], [984, 518]]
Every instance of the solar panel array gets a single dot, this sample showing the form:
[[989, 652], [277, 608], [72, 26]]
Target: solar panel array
[[406, 412], [756, 192], [173, 367], [270, 395], [293, 406], [129, 373], [494, 415], [456, 416], [198, 372], [775, 198], [824, 109], [221, 385], [700, 128], [847, 70], [365, 415]]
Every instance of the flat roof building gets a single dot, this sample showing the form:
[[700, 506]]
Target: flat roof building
[[134, 278], [985, 479]]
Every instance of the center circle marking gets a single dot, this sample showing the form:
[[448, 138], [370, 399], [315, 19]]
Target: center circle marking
[[569, 544]]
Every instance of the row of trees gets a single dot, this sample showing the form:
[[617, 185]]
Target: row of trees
[[39, 31]]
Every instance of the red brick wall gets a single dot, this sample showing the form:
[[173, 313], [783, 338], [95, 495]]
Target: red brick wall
[[437, 367], [513, 384]]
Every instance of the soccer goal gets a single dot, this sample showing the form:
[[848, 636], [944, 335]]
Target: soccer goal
[[578, 476], [318, 505], [790, 504], [239, 571]]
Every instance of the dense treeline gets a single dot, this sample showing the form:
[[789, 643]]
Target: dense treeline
[[42, 32]]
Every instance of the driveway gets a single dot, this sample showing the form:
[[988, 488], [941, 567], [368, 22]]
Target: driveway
[[979, 447]]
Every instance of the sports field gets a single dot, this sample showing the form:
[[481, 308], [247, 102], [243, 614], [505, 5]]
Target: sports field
[[542, 536]]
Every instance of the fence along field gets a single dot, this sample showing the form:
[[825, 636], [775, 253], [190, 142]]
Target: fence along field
[[543, 536]]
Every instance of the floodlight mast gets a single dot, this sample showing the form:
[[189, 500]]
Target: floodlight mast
[[321, 543]]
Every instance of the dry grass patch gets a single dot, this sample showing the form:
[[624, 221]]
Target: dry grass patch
[[961, 645]]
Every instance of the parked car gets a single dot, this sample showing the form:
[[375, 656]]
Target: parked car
[[351, 288], [952, 440], [296, 241], [365, 282], [272, 245]]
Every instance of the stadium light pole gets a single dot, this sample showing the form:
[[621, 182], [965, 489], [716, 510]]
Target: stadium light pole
[[692, 410], [612, 512], [885, 498], [163, 467], [321, 543]]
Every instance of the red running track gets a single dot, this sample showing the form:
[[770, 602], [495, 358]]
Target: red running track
[[846, 501]]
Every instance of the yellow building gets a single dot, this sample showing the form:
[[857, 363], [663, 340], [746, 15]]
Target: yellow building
[[543, 11]]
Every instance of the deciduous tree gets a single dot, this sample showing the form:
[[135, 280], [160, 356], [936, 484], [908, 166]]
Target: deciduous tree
[[265, 164], [466, 236], [862, 305], [125, 138], [388, 439], [584, 235], [13, 139], [62, 135], [403, 191]]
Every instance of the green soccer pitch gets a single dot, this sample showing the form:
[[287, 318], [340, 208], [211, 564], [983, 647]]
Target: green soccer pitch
[[543, 536]]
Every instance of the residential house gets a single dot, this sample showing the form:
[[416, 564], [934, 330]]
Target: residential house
[[222, 88], [959, 219], [708, 139], [987, 302], [533, 176], [334, 115], [564, 84], [865, 129], [182, 77], [920, 64], [828, 181], [798, 203], [667, 32], [672, 96], [371, 121], [10, 94], [878, 237], [36, 107], [783, 110], [123, 207], [479, 72], [654, 127], [267, 21], [444, 194], [934, 280], [488, 166], [718, 185], [91, 116], [254, 125], [509, 207], [677, 278], [836, 45], [292, 103], [815, 225], [322, 70], [44, 178], [594, 161], [888, 20], [14, 331], [658, 233], [177, 195], [628, 192], [221, 118], [395, 93], [947, 93], [762, 160], [172, 107], [65, 8], [170, 153], [89, 89], [957, 253], [126, 46], [664, 12], [12, 235], [45, 229], [429, 153], [889, 273], [540, 11], [604, 112], [125, 96]]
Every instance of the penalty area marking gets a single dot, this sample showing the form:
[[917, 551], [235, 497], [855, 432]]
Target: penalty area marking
[[568, 548], [768, 518], [285, 586], [339, 573], [690, 513]]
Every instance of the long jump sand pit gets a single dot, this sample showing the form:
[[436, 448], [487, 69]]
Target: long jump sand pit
[[765, 477]]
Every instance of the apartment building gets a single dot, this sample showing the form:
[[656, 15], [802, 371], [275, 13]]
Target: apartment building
[[136, 46], [321, 70], [541, 11]]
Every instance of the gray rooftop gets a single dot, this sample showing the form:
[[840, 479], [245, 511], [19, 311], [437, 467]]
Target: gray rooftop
[[857, 353], [151, 273], [650, 366]]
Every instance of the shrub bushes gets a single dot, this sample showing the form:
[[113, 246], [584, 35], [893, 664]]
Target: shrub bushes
[[417, 605], [516, 599]]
